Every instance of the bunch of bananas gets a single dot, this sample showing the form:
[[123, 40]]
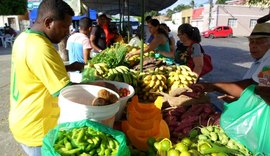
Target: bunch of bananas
[[181, 77], [122, 74], [136, 58], [150, 84], [101, 69], [163, 70]]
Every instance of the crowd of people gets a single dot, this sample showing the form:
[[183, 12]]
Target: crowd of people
[[38, 73]]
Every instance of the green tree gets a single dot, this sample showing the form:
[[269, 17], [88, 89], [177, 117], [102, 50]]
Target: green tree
[[151, 13], [170, 12], [220, 1], [265, 3], [181, 7], [13, 7], [192, 4]]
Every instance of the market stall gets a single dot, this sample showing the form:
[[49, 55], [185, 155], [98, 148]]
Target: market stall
[[159, 114]]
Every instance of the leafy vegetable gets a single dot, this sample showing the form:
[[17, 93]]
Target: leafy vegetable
[[113, 56]]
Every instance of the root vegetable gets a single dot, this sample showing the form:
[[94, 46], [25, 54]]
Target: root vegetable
[[103, 93], [98, 101]]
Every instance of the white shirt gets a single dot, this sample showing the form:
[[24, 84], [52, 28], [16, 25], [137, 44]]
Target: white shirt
[[257, 67]]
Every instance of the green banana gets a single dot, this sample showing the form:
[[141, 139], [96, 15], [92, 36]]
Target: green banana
[[126, 78], [98, 69]]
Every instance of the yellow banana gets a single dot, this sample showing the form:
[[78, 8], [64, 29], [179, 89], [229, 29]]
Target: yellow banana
[[98, 69], [114, 71], [188, 78], [176, 77], [185, 82], [152, 83], [165, 87], [104, 67], [119, 70], [156, 70], [159, 77], [163, 78], [124, 68], [171, 73], [184, 67], [160, 88], [184, 72], [147, 78], [155, 87], [169, 68], [146, 82], [154, 77], [176, 83], [162, 83], [182, 77]]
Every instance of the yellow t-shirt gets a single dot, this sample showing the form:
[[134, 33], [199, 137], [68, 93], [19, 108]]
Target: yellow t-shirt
[[37, 75]]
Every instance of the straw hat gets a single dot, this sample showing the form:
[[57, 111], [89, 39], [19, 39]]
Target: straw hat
[[260, 30]]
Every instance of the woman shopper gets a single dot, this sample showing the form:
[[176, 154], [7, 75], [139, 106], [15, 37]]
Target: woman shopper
[[160, 43], [190, 37], [172, 40]]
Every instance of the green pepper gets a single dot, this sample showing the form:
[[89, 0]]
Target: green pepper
[[88, 148], [107, 152], [92, 152], [84, 154], [80, 135], [60, 135], [111, 144], [64, 151], [68, 145]]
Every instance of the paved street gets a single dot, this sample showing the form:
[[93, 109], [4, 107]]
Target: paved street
[[230, 57], [8, 145]]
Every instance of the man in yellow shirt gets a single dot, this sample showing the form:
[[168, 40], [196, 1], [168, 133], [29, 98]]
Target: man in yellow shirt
[[37, 76]]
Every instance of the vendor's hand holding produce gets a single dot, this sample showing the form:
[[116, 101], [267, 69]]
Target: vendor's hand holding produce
[[130, 54]]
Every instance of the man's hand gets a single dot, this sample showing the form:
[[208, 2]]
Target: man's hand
[[128, 55], [76, 66]]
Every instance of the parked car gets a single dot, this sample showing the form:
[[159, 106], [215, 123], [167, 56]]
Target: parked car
[[219, 31]]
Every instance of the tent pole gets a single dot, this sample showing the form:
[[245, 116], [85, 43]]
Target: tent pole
[[142, 37], [127, 2], [120, 15]]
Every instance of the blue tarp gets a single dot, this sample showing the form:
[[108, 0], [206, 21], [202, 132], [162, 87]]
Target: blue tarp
[[92, 15], [33, 14]]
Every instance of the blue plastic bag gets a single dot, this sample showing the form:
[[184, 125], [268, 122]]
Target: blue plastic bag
[[247, 121], [50, 138]]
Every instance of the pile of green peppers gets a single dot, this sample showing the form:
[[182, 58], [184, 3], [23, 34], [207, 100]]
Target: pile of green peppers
[[85, 141]]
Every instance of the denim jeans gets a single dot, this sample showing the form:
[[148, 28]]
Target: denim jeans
[[32, 150]]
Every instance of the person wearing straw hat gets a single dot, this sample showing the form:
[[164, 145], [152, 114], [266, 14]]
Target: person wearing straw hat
[[259, 46], [246, 119]]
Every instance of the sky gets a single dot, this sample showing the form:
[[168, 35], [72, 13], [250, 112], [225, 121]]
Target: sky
[[186, 2]]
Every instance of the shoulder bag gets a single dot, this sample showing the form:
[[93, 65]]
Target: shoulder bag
[[207, 62]]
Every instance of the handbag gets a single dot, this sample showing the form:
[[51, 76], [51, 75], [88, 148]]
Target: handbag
[[207, 62]]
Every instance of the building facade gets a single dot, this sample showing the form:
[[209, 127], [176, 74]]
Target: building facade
[[241, 18]]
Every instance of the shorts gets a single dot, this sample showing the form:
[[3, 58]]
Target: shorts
[[32, 150]]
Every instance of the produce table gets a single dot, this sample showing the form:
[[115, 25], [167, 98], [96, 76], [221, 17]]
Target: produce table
[[163, 117]]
